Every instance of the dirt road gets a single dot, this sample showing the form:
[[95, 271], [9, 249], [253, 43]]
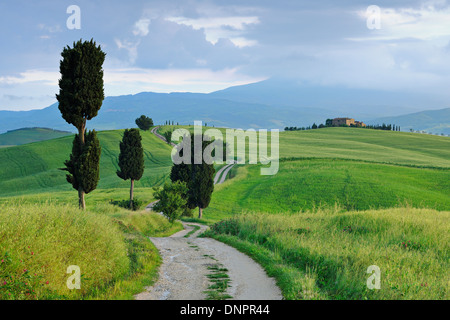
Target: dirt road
[[183, 273]]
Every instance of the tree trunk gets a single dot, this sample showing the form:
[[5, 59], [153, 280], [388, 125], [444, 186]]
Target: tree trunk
[[81, 202], [200, 212], [131, 194], [81, 132]]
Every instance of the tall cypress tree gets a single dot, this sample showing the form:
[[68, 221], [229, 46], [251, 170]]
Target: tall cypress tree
[[131, 159], [199, 179], [80, 97]]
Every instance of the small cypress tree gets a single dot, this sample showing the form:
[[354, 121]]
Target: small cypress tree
[[84, 165], [131, 159]]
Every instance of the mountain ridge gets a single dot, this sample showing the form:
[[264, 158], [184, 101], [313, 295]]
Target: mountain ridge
[[266, 104]]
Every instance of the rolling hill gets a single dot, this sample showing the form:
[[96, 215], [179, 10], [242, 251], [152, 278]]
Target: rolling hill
[[29, 135], [431, 121], [33, 168], [354, 168], [357, 168]]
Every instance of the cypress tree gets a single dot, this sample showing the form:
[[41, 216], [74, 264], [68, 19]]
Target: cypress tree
[[131, 159], [80, 98], [84, 165], [199, 179], [202, 185]]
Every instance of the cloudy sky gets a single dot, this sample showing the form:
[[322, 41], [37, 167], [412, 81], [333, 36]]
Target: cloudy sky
[[203, 46]]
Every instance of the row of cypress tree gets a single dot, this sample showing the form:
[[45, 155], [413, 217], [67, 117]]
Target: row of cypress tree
[[80, 98]]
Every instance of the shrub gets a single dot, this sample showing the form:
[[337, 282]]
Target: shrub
[[137, 204]]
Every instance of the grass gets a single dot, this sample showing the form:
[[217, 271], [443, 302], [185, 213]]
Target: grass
[[360, 144], [306, 184], [388, 194], [33, 168], [369, 145], [194, 230], [220, 282], [29, 135], [324, 254], [110, 245]]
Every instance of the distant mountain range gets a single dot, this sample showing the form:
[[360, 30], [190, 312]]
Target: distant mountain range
[[267, 104]]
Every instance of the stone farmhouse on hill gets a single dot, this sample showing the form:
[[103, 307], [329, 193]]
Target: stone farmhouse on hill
[[337, 122]]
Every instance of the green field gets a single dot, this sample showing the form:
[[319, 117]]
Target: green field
[[33, 168], [369, 145], [343, 199], [353, 185], [325, 254], [29, 135]]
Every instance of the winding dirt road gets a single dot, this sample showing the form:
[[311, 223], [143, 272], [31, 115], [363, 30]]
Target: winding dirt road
[[184, 270]]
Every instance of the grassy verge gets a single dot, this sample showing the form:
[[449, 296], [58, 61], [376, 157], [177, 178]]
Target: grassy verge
[[39, 241], [325, 254]]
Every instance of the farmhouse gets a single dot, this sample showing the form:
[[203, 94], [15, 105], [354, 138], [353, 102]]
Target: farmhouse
[[337, 122]]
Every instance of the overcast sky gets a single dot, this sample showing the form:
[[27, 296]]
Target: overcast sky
[[203, 46]]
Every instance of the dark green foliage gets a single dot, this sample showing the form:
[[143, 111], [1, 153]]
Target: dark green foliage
[[199, 179], [84, 163], [131, 157], [81, 85], [172, 200], [180, 172], [144, 122], [202, 184], [168, 136], [137, 204], [80, 97]]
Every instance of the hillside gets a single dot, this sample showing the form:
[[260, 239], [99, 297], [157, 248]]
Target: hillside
[[29, 135], [431, 121], [355, 169], [33, 168]]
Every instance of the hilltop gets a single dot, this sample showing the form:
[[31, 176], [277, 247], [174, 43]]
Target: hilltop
[[29, 135]]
